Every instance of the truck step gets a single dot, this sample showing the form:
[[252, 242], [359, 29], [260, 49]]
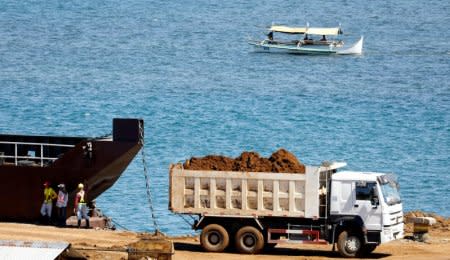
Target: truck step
[[298, 236]]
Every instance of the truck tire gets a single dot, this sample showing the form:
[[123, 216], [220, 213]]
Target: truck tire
[[349, 244], [214, 238], [249, 240]]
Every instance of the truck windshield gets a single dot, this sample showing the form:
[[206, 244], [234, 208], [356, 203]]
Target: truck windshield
[[389, 188]]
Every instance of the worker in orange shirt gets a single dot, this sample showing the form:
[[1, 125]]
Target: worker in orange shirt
[[49, 196], [80, 207]]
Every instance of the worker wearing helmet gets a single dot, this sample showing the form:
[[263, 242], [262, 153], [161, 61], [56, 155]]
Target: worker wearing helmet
[[49, 196], [80, 206], [61, 204]]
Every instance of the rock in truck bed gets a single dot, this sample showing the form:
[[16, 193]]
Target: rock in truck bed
[[280, 161]]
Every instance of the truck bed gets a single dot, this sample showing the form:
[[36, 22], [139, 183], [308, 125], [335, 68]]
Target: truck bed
[[246, 194]]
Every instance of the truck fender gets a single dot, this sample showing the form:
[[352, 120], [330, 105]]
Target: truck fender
[[347, 223]]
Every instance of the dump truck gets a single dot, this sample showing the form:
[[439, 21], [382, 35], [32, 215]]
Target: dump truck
[[251, 211]]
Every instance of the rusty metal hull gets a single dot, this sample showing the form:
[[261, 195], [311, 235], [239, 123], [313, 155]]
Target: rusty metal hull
[[21, 187]]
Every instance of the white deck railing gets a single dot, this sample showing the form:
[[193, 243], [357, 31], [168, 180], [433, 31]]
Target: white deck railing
[[41, 158]]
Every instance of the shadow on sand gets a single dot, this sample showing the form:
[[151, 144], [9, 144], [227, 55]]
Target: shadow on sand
[[280, 251]]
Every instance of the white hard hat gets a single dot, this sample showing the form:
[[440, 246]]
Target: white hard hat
[[80, 186]]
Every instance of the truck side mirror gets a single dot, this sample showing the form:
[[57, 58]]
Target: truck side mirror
[[374, 200]]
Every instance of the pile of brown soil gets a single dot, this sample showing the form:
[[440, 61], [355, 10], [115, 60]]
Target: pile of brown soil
[[284, 161], [279, 161], [210, 162]]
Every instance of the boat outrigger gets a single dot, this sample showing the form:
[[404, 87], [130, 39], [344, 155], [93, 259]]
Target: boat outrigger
[[309, 43]]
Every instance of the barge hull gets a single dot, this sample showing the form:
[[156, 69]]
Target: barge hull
[[97, 163]]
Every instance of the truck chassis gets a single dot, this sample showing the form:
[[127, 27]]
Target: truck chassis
[[250, 235]]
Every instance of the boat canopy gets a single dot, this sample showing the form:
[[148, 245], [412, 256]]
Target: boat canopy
[[324, 31], [307, 30], [287, 29]]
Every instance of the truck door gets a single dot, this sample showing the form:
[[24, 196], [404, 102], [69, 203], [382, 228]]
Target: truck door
[[367, 205], [342, 198]]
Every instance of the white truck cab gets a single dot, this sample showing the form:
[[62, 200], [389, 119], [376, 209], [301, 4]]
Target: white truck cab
[[374, 197]]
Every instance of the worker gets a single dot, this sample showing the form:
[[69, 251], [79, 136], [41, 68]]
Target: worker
[[270, 36], [46, 209], [80, 206], [61, 204], [324, 39]]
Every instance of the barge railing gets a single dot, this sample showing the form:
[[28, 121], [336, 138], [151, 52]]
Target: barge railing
[[42, 158]]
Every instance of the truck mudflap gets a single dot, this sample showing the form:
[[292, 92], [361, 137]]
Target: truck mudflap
[[294, 236]]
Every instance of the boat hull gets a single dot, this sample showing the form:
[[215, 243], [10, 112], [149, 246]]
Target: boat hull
[[292, 49], [22, 186], [265, 46]]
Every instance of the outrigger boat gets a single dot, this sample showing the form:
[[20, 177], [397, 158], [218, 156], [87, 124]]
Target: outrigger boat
[[309, 42]]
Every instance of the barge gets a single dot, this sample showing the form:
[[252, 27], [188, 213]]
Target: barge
[[26, 162]]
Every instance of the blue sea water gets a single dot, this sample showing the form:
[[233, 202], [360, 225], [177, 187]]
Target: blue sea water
[[69, 67]]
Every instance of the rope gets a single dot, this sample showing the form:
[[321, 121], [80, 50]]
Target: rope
[[102, 214], [119, 225], [147, 179], [185, 220], [147, 184]]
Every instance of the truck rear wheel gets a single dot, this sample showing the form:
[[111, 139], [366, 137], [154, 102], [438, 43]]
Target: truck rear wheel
[[214, 238], [349, 244], [249, 240]]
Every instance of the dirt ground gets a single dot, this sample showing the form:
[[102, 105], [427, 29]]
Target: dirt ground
[[102, 244], [437, 248]]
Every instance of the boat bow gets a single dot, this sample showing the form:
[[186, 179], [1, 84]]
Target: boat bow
[[355, 49]]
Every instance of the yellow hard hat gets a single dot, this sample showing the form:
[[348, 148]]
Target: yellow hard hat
[[80, 186]]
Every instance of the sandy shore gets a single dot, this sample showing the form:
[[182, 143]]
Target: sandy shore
[[437, 248], [91, 243]]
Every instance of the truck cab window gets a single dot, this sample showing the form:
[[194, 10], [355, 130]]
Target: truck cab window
[[365, 190]]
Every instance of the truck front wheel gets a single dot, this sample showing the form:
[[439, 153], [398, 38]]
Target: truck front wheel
[[214, 238], [249, 240], [349, 244]]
